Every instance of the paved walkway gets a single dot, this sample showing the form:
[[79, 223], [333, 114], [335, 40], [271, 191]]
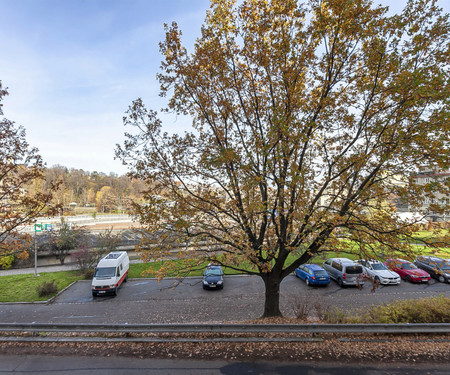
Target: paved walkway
[[52, 268], [23, 271]]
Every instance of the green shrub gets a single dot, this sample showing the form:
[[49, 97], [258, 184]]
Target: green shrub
[[6, 261], [424, 310], [47, 289]]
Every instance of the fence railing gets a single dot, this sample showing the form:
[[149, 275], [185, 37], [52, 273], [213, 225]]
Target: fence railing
[[78, 220], [437, 328]]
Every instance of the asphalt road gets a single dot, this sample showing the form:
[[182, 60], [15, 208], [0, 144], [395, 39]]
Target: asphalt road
[[118, 365], [147, 301]]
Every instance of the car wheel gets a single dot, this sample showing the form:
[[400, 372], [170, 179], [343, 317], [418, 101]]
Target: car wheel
[[441, 278], [408, 279], [340, 283], [116, 291], [377, 280], [94, 294], [307, 281], [126, 279]]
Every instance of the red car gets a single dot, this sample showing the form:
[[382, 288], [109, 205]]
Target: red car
[[408, 271]]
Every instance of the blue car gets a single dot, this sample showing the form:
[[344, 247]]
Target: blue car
[[312, 274]]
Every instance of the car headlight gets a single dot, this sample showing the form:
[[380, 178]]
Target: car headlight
[[220, 282], [205, 282], [112, 286], [415, 276]]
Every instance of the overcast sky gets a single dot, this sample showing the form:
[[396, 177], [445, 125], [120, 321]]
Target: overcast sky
[[74, 66]]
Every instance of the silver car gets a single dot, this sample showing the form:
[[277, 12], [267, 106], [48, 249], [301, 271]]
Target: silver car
[[344, 271], [379, 272]]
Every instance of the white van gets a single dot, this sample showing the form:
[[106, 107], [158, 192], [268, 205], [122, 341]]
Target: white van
[[110, 273]]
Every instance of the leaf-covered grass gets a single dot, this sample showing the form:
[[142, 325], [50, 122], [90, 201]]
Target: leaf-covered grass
[[139, 270], [24, 288]]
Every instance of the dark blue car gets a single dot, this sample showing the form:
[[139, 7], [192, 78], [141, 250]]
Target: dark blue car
[[312, 274], [213, 277]]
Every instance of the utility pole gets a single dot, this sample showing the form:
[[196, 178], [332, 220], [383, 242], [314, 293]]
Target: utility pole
[[37, 228]]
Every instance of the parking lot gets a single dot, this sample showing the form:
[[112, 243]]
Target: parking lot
[[147, 301]]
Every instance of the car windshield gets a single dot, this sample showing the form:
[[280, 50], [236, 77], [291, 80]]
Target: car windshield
[[353, 269], [408, 266], [445, 266], [105, 272], [379, 266], [320, 273], [213, 272]]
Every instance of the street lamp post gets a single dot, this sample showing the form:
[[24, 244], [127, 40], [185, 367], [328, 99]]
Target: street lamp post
[[37, 228]]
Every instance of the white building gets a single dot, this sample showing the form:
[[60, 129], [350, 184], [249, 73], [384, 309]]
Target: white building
[[427, 176]]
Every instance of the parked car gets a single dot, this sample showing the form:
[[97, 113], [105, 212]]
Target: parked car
[[379, 272], [213, 277], [110, 273], [408, 271], [312, 274], [344, 271], [436, 267]]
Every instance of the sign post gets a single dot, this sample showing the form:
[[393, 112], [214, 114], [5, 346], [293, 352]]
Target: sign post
[[37, 228]]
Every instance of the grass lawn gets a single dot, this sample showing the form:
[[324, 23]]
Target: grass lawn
[[137, 269], [23, 288]]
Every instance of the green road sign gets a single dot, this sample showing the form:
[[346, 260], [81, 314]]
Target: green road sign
[[38, 227]]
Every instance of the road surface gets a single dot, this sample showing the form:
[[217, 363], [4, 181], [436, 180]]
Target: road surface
[[146, 301]]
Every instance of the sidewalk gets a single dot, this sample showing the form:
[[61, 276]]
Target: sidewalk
[[23, 271], [52, 268]]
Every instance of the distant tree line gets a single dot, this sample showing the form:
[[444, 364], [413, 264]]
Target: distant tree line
[[106, 193]]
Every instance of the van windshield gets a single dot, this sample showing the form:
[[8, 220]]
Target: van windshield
[[105, 272]]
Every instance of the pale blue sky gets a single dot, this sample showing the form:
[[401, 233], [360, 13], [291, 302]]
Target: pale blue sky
[[74, 66]]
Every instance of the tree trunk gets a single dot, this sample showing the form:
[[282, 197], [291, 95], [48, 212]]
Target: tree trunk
[[272, 296]]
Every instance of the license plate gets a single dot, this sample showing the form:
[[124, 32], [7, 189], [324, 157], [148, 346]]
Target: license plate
[[212, 286], [322, 278], [102, 291]]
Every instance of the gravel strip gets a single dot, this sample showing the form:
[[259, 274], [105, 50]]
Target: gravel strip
[[343, 348]]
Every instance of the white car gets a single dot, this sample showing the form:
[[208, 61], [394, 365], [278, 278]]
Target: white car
[[379, 272]]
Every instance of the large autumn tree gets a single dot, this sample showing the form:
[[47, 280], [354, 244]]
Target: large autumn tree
[[20, 167], [308, 119]]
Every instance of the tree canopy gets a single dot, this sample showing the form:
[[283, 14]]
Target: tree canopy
[[308, 119], [20, 166]]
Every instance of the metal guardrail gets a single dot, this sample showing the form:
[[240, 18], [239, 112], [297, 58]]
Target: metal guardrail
[[437, 328], [213, 333]]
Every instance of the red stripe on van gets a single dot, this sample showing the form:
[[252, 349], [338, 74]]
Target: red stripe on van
[[122, 279]]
